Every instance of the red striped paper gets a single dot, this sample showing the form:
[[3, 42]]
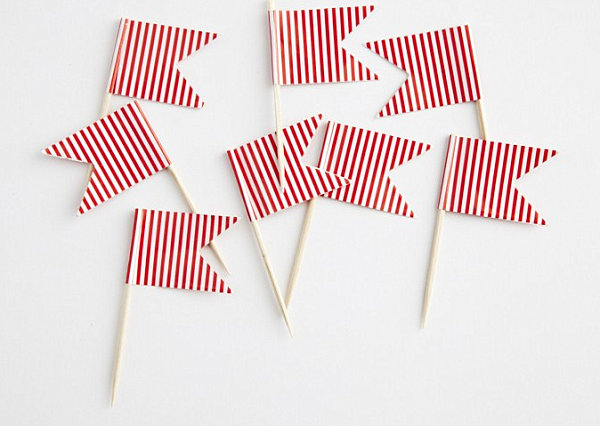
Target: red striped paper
[[440, 65], [479, 179], [165, 250], [255, 168], [365, 158], [122, 148], [306, 45], [145, 62]]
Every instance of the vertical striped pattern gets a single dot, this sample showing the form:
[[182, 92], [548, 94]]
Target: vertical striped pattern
[[479, 179], [306, 45], [122, 148], [255, 168], [440, 66], [145, 61], [365, 157], [165, 250]]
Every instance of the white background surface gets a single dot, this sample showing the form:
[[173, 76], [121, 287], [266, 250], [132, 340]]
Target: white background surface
[[514, 331]]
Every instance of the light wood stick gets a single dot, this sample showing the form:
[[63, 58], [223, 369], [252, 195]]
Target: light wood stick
[[271, 274], [192, 207], [300, 251], [481, 116], [433, 257], [121, 341], [278, 121]]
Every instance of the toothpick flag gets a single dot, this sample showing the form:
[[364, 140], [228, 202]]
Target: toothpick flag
[[365, 157], [255, 167], [121, 147], [440, 65], [165, 249], [479, 179], [306, 45], [145, 61]]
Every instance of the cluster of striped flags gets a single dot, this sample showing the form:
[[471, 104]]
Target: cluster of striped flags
[[255, 168], [306, 47]]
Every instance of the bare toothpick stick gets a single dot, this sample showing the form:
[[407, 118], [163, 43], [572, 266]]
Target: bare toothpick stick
[[300, 251], [433, 256], [192, 207], [271, 274], [278, 130], [120, 342]]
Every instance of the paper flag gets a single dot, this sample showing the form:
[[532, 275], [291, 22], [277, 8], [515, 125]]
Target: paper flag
[[165, 249], [255, 168], [479, 179], [306, 45], [145, 61], [122, 148], [365, 157], [440, 66]]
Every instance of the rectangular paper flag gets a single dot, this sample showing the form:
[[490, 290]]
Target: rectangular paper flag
[[440, 65], [122, 148], [255, 168], [365, 158], [165, 250], [145, 62], [306, 45], [479, 179]]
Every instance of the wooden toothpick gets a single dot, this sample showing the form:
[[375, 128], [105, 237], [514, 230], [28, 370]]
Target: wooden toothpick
[[308, 215], [271, 274], [278, 121], [433, 256], [120, 342]]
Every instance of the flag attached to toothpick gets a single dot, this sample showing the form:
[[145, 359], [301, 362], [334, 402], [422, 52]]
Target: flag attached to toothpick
[[306, 45], [365, 158], [479, 179], [165, 250], [440, 65], [145, 62], [122, 148], [255, 167]]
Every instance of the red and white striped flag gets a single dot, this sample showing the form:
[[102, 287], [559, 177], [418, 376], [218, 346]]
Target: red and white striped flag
[[255, 168], [440, 66], [306, 45], [145, 61], [479, 179], [165, 250], [365, 158], [122, 148]]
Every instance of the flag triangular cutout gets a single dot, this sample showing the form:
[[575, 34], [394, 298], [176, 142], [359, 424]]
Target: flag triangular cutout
[[479, 179], [306, 45], [145, 62], [255, 168], [440, 65], [122, 148], [165, 250], [365, 158]]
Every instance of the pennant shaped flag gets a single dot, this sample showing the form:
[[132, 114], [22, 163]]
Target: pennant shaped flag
[[365, 158], [145, 61], [165, 249], [440, 66], [122, 148], [255, 168], [479, 179], [306, 45]]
